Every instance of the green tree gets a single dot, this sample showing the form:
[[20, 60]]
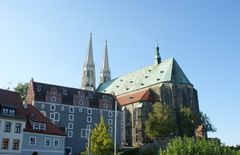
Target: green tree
[[191, 146], [101, 141], [205, 120], [160, 122], [186, 122], [22, 89]]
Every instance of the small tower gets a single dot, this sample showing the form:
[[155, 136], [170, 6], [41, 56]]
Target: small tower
[[105, 73], [88, 74], [157, 56]]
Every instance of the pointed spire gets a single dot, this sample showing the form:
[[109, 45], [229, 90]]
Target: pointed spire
[[89, 58], [88, 75], [157, 56], [105, 73]]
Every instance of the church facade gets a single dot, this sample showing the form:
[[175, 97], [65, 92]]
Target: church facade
[[163, 82]]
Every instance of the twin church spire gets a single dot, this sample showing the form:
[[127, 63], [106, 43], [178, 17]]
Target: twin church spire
[[88, 75]]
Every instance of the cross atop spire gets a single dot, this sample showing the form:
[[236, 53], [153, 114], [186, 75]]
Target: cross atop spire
[[157, 55], [105, 73]]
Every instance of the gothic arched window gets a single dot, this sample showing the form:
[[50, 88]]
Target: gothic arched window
[[167, 96], [184, 98]]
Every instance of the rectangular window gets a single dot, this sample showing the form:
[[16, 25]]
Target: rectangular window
[[110, 129], [81, 102], [42, 106], [101, 112], [56, 142], [15, 144], [38, 88], [109, 121], [47, 142], [52, 116], [52, 107], [71, 109], [88, 127], [35, 126], [80, 109], [109, 114], [62, 108], [7, 127], [64, 91], [83, 133], [42, 126], [89, 119], [70, 125], [5, 143], [89, 111], [54, 99], [70, 134], [71, 117], [17, 128], [11, 111], [32, 140], [105, 105]]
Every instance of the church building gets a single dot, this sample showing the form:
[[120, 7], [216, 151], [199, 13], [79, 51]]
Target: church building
[[163, 82]]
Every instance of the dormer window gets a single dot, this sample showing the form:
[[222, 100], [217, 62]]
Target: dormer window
[[8, 111], [105, 106], [64, 91], [90, 95], [39, 126], [54, 98], [81, 102], [38, 88]]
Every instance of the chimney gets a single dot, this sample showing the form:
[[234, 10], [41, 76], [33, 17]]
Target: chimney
[[25, 104]]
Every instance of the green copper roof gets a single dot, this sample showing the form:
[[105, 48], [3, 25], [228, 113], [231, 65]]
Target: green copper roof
[[166, 71]]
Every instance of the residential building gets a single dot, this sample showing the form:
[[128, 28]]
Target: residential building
[[41, 135], [12, 123], [74, 111], [24, 130]]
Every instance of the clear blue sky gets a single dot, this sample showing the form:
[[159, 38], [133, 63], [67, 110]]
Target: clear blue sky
[[48, 40]]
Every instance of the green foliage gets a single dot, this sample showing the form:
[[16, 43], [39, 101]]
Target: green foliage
[[22, 89], [191, 146], [150, 149], [101, 141], [186, 121], [160, 122], [205, 120]]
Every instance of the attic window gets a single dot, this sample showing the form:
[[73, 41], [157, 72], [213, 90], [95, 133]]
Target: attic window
[[146, 77], [161, 71], [131, 81], [117, 86], [149, 70], [158, 79], [127, 88], [64, 91], [38, 88], [142, 84], [121, 80], [90, 95]]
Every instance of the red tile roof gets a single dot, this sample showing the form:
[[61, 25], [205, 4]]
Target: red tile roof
[[13, 100], [141, 95], [32, 114]]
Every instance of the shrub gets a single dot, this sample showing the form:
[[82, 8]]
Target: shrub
[[191, 146]]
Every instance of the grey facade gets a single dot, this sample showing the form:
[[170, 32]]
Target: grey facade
[[43, 144], [75, 111]]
